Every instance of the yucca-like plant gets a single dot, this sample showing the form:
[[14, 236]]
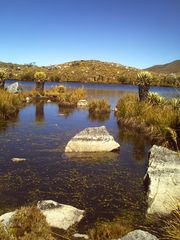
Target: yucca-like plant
[[155, 99], [144, 80], [40, 78], [175, 103], [3, 76]]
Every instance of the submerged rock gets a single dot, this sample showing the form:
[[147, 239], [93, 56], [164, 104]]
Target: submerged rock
[[139, 235], [164, 176], [96, 139], [17, 160], [14, 88], [57, 215]]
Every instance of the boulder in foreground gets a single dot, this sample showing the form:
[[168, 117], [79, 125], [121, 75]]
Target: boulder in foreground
[[164, 176], [95, 139], [57, 215]]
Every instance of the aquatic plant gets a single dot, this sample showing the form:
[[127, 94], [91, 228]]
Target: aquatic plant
[[99, 106], [144, 80]]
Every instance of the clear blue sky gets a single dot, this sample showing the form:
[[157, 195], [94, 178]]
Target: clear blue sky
[[137, 33]]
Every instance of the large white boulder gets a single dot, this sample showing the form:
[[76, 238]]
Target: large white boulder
[[57, 215], [95, 139], [14, 88], [60, 215], [164, 176]]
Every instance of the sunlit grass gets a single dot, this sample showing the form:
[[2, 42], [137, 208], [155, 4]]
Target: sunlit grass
[[28, 223], [9, 104], [160, 121]]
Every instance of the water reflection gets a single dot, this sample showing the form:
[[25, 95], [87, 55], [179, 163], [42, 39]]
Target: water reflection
[[39, 115], [65, 111], [139, 144], [98, 117], [91, 158]]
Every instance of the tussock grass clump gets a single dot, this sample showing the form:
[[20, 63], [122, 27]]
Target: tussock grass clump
[[157, 121], [110, 230], [65, 97], [27, 224], [9, 104], [99, 106], [172, 225]]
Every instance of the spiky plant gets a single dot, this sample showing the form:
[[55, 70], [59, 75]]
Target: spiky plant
[[144, 80], [155, 99], [40, 78]]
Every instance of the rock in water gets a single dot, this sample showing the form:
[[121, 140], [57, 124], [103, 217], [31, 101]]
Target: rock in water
[[60, 215], [139, 235], [14, 88], [18, 160], [82, 104], [164, 175], [96, 139]]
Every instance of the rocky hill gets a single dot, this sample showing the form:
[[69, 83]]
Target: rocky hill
[[172, 67], [86, 71]]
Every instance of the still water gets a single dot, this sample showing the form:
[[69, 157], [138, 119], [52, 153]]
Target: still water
[[107, 185]]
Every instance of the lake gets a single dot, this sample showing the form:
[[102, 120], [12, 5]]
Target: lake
[[106, 185]]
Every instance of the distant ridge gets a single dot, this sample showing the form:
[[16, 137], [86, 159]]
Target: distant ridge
[[172, 67]]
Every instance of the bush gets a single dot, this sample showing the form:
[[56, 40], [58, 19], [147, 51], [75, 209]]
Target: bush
[[99, 106], [27, 224]]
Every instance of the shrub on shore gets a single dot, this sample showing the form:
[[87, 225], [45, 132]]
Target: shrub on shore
[[160, 122], [9, 104]]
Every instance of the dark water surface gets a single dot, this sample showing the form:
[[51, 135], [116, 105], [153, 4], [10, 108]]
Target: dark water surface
[[106, 185]]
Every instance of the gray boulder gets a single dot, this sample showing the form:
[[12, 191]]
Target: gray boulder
[[164, 176], [96, 139], [57, 215], [82, 104], [139, 235], [14, 88]]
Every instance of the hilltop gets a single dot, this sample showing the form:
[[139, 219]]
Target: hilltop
[[86, 71], [172, 67]]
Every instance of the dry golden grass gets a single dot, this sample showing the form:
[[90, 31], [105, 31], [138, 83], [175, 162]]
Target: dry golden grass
[[27, 224], [99, 106], [9, 104], [172, 226], [157, 121], [110, 230], [66, 96]]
